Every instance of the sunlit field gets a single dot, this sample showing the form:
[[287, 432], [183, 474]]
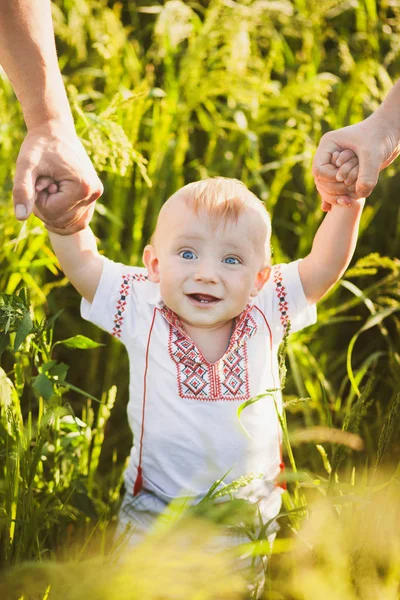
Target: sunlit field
[[164, 93]]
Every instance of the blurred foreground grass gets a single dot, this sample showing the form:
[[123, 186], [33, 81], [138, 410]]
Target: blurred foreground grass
[[164, 93], [347, 548]]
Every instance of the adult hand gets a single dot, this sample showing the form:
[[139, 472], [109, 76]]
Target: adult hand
[[55, 179], [376, 146]]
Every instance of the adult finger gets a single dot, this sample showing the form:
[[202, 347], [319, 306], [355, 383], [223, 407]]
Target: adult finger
[[370, 164], [323, 155], [24, 190], [331, 195], [345, 201], [63, 208], [325, 206], [327, 173], [326, 197], [333, 189], [79, 222]]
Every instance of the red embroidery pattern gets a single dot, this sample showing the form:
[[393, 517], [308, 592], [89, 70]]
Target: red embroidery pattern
[[197, 379], [139, 277], [121, 303], [281, 293]]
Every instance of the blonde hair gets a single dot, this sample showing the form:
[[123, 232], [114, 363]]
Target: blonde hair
[[223, 198]]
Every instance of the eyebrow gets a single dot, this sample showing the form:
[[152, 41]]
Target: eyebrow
[[231, 244], [184, 238]]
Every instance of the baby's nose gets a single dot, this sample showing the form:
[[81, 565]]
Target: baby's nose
[[206, 271]]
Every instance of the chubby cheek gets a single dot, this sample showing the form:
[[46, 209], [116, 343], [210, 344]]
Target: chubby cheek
[[172, 274], [169, 289], [243, 287]]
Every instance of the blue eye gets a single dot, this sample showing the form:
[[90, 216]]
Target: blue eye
[[187, 254], [231, 260]]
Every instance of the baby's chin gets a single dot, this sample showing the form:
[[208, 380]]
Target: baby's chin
[[206, 320], [205, 316]]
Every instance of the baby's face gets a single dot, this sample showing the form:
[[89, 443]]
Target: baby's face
[[207, 273]]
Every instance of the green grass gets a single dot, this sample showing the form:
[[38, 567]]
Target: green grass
[[164, 93]]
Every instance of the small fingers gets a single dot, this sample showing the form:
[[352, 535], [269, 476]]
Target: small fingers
[[46, 182], [352, 177], [42, 183], [344, 170], [334, 157], [344, 156]]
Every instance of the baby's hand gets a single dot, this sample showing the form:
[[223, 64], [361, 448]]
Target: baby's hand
[[347, 162], [336, 179], [47, 207], [348, 167]]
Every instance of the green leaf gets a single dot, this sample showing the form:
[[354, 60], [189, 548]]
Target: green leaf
[[249, 403], [23, 297], [252, 401], [43, 386], [46, 367], [209, 495], [8, 324], [59, 372], [374, 320], [79, 341], [50, 321], [4, 339], [56, 370], [76, 389], [378, 318]]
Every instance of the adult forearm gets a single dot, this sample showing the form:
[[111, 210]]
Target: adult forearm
[[388, 113], [28, 56]]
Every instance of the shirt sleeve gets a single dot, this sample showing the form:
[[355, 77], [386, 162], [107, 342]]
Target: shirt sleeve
[[113, 302], [284, 301]]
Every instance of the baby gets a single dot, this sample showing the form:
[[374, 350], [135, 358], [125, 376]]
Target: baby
[[202, 323]]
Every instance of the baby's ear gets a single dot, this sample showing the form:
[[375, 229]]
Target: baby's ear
[[151, 263], [261, 279]]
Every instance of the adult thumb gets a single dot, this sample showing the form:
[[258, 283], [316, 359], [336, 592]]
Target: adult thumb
[[368, 173], [24, 193]]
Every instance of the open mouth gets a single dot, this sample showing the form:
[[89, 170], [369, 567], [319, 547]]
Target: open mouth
[[204, 299]]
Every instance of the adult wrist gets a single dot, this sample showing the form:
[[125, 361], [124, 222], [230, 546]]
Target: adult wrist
[[386, 123], [43, 99], [53, 126], [51, 123]]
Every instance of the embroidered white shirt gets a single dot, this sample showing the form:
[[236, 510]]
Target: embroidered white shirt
[[183, 410]]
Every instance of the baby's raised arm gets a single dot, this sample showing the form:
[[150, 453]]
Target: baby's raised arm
[[332, 250], [80, 260]]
